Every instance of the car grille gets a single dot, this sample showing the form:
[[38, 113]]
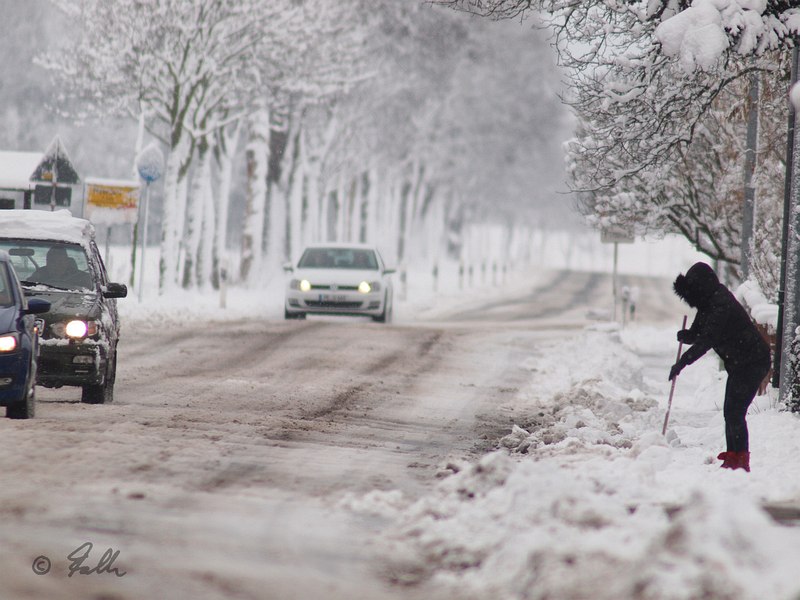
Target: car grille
[[337, 287], [317, 304]]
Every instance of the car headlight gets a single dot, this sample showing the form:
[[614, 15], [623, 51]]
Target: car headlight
[[303, 285], [75, 329], [366, 287], [8, 342]]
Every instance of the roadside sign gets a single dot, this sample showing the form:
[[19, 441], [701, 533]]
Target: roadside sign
[[111, 202], [112, 196], [616, 234]]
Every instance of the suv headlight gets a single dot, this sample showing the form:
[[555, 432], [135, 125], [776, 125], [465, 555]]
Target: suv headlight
[[76, 329], [366, 287], [303, 285], [8, 342]]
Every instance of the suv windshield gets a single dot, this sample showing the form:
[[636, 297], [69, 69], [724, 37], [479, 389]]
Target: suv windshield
[[51, 263], [338, 258]]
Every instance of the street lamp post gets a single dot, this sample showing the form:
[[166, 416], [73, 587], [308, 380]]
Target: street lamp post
[[149, 164]]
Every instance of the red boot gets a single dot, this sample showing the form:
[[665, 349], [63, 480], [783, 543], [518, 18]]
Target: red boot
[[743, 461], [727, 459], [735, 460]]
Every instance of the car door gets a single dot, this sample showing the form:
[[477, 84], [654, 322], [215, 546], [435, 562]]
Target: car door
[[108, 305]]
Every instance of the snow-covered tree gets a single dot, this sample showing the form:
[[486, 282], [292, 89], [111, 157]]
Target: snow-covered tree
[[658, 87], [315, 56], [360, 120], [189, 64], [695, 187]]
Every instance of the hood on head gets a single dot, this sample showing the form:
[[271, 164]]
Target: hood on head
[[697, 286]]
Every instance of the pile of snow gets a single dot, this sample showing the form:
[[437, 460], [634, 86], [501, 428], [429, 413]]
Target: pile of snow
[[763, 312], [581, 411], [586, 498]]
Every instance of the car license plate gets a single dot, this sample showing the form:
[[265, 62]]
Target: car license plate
[[332, 298]]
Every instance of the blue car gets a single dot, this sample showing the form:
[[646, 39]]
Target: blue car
[[19, 344]]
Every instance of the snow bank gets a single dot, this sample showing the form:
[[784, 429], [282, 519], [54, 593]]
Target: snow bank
[[586, 498]]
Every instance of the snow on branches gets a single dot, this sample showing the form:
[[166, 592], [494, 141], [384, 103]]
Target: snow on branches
[[659, 88], [700, 35]]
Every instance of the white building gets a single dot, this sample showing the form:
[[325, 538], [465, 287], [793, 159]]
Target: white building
[[40, 180]]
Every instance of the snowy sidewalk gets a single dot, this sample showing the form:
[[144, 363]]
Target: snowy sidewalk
[[575, 504]]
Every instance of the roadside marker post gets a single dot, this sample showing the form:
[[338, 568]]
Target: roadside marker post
[[615, 235]]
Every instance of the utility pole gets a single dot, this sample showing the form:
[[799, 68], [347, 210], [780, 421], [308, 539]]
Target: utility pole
[[54, 189], [784, 375], [748, 209]]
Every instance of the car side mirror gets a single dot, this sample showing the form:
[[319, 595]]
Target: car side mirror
[[389, 271], [37, 306], [288, 267], [115, 290]]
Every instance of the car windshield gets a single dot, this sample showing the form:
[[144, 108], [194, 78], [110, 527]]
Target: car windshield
[[54, 264], [338, 258], [6, 297]]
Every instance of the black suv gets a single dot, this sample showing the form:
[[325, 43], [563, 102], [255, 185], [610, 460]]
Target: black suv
[[56, 259]]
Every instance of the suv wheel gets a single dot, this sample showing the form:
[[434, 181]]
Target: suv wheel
[[26, 408], [102, 393]]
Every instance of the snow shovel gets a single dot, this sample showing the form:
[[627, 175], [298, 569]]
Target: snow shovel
[[672, 389]]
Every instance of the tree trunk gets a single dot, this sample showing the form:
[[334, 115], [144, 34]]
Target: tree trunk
[[226, 153], [205, 260], [405, 211], [279, 181], [297, 201], [363, 206], [171, 224], [257, 157], [195, 214]]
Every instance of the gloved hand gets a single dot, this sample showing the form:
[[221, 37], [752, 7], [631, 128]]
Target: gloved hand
[[683, 336], [675, 371]]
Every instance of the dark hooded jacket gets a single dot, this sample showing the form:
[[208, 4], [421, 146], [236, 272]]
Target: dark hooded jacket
[[721, 322]]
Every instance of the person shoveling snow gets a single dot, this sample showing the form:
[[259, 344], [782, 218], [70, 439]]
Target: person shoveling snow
[[723, 324]]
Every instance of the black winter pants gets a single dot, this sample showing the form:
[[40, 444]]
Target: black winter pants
[[739, 393]]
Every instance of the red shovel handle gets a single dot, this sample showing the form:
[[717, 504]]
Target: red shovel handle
[[672, 389]]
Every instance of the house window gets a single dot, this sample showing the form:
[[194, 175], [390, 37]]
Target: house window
[[43, 194], [7, 203]]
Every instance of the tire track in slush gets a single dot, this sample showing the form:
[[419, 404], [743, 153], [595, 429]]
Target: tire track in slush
[[251, 356], [418, 353], [206, 362]]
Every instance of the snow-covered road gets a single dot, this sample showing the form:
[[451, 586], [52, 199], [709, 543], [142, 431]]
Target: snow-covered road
[[224, 466]]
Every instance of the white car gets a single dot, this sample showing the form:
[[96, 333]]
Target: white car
[[339, 279]]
